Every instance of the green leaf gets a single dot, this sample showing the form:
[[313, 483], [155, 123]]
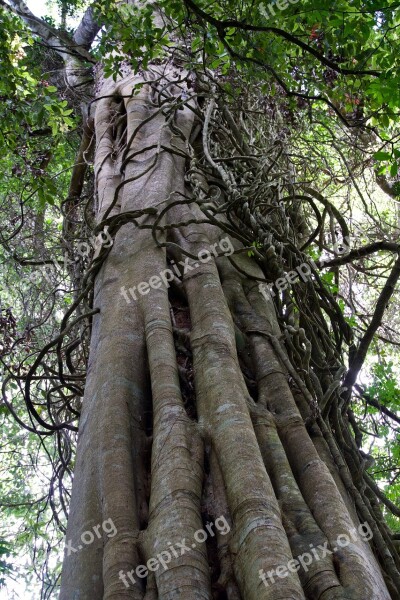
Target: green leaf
[[382, 155]]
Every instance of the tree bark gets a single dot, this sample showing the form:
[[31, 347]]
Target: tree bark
[[162, 470]]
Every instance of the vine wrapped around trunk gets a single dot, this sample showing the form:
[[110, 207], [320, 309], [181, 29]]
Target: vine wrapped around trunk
[[263, 447], [216, 432]]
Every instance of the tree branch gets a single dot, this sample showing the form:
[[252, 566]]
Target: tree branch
[[359, 356], [372, 402], [358, 253], [51, 37], [221, 26], [87, 30]]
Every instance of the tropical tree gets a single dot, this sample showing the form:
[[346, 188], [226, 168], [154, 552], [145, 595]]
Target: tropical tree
[[204, 296]]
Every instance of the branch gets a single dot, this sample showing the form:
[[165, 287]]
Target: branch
[[358, 253], [221, 26], [83, 37], [372, 402], [359, 356], [51, 37], [388, 503], [288, 92], [87, 30]]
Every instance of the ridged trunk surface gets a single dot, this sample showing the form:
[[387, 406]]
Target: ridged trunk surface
[[170, 438]]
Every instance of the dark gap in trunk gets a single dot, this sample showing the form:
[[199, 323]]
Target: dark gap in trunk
[[145, 441], [181, 323]]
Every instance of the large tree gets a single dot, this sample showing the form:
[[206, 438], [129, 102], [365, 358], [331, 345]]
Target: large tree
[[221, 385]]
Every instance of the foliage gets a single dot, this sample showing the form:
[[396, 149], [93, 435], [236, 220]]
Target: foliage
[[5, 567], [326, 79]]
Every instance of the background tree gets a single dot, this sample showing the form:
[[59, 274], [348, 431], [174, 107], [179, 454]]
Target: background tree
[[209, 396]]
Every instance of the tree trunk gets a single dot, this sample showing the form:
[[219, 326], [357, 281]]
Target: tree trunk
[[192, 414]]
